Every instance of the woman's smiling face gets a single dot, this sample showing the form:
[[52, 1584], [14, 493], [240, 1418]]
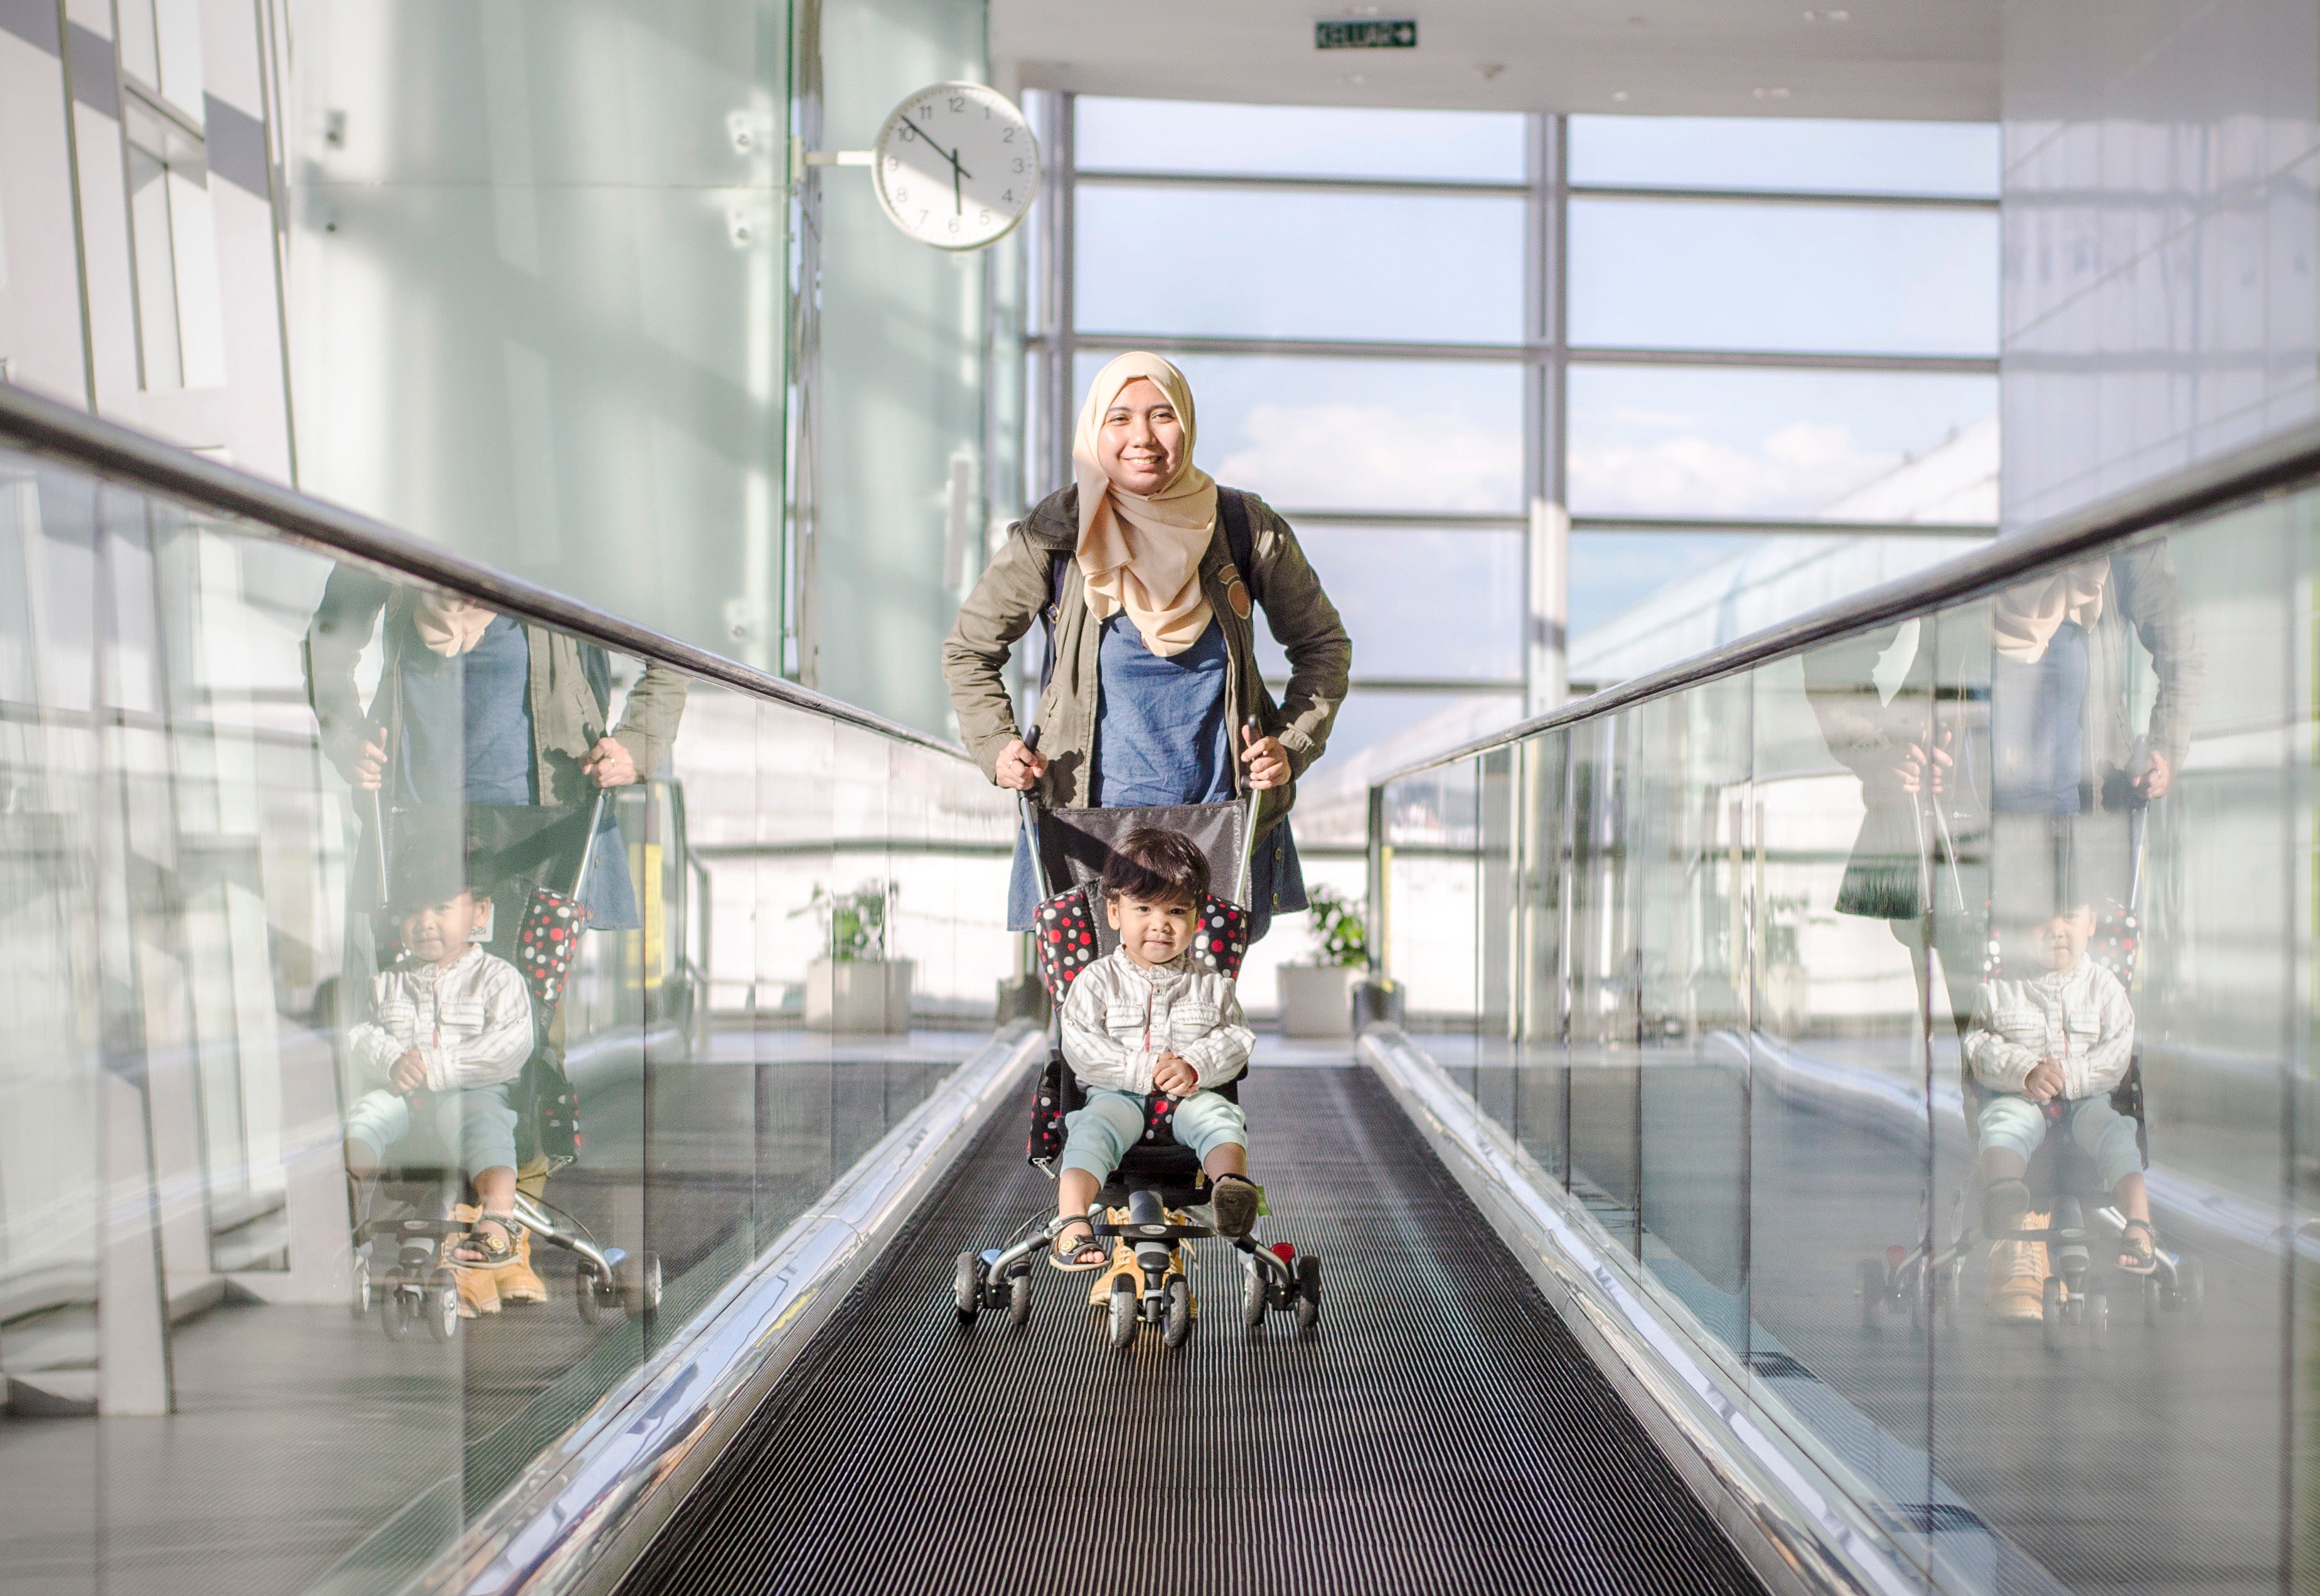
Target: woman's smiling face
[[1140, 444]]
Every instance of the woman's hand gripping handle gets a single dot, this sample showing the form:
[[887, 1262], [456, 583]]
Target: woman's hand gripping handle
[[1019, 765], [1267, 759]]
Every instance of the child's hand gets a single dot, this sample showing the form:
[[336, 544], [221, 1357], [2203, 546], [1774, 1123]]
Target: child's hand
[[1172, 1075], [2044, 1081], [409, 1074]]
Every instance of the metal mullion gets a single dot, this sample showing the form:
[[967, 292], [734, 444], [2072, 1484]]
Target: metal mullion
[[1059, 352], [1547, 551], [1420, 520], [1320, 348], [1764, 526], [1279, 184], [1977, 366], [1783, 196], [1502, 354]]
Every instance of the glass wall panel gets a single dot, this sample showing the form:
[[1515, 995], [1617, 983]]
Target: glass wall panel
[[1382, 578], [355, 930], [1542, 997], [1605, 1014], [1431, 915], [1839, 1144], [1659, 440], [1819, 278], [1694, 872], [1124, 135], [1786, 152], [1651, 598], [1434, 435], [1304, 264], [2147, 852]]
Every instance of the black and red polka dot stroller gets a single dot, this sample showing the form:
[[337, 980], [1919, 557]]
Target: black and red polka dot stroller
[[1157, 1198]]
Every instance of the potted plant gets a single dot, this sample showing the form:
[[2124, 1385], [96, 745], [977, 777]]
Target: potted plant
[[1317, 997], [856, 987]]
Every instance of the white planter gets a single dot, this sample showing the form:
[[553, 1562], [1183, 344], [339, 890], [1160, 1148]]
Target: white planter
[[1318, 1000], [862, 995]]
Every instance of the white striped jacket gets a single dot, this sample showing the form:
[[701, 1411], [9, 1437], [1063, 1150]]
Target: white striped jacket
[[470, 1020]]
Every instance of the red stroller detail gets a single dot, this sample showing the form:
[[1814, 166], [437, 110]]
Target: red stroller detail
[[1147, 1282]]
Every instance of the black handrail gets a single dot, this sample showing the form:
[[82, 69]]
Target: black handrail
[[42, 426], [2274, 465]]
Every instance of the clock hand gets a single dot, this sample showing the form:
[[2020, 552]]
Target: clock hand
[[952, 156]]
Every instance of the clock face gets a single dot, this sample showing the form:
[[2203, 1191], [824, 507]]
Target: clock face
[[956, 166]]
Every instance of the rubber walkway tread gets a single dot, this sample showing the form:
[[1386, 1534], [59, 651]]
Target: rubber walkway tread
[[1439, 1431]]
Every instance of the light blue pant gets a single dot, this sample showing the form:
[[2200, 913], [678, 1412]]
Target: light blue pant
[[478, 1123], [1097, 1137], [2018, 1125]]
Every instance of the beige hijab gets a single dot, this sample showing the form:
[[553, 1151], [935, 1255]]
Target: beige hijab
[[1143, 554], [2023, 619], [449, 625]]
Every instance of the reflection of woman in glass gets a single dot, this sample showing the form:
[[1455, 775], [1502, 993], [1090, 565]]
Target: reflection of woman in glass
[[1154, 671], [477, 707]]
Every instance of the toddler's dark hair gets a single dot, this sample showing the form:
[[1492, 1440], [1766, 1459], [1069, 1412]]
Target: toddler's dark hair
[[1158, 866]]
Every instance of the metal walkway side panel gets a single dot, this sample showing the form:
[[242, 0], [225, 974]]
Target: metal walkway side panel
[[1440, 1431]]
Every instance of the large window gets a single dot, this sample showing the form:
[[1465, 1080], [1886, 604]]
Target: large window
[[1623, 384]]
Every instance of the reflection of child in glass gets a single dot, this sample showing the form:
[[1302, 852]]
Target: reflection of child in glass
[[2065, 1036], [450, 1032], [1144, 1019]]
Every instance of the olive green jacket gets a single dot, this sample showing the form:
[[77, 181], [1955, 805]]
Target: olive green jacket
[[567, 712], [1006, 603]]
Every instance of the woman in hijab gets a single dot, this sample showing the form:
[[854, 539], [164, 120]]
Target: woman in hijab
[[1153, 672]]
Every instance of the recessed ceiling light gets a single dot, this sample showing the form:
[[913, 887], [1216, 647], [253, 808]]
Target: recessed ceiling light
[[1619, 96], [1772, 94], [1829, 16], [1356, 78]]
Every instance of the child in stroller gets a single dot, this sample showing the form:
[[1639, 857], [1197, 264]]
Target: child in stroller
[[2051, 1048], [1141, 1020], [1143, 1196], [454, 1045], [450, 1029]]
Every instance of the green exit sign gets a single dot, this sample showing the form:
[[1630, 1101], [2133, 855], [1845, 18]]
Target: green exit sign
[[1367, 34]]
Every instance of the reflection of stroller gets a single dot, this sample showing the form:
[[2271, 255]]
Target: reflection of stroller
[[2062, 1182], [537, 929], [1150, 1205]]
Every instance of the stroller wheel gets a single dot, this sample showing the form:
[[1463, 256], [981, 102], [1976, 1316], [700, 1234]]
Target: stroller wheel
[[395, 1314], [640, 1288], [2152, 1302], [584, 1289], [1123, 1314], [2190, 1288], [1179, 1321], [1253, 1294], [1019, 1297], [967, 1287], [1309, 1291], [2097, 1320], [361, 1299], [2050, 1312], [441, 1307]]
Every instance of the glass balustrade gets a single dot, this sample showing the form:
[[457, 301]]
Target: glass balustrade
[[334, 906], [1863, 1002]]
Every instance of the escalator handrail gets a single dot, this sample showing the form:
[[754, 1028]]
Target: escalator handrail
[[42, 426], [2271, 465]]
